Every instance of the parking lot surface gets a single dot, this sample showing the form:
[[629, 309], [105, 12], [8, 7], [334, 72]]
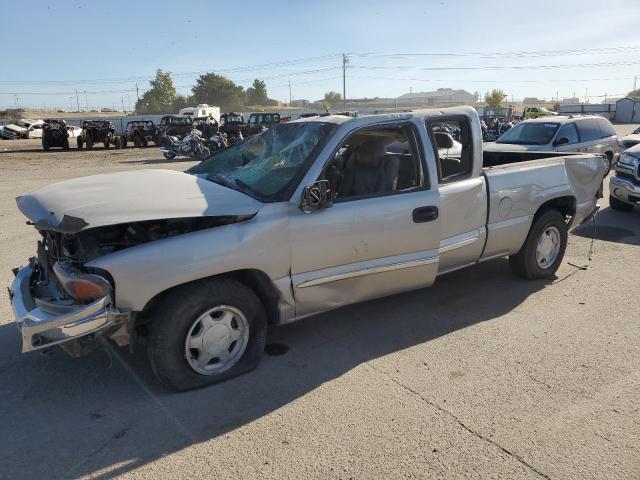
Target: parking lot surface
[[481, 376]]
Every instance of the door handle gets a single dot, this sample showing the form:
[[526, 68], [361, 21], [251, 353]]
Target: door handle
[[425, 214]]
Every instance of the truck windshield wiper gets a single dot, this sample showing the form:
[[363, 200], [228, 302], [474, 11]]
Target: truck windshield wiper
[[251, 190]]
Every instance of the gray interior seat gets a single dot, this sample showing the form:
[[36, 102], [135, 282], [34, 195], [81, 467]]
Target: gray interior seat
[[369, 171]]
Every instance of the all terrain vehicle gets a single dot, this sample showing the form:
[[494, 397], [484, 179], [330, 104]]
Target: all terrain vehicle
[[140, 133], [97, 131], [55, 134], [174, 126]]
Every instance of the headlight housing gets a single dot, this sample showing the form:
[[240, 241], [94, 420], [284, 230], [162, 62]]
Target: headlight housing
[[81, 286], [627, 161]]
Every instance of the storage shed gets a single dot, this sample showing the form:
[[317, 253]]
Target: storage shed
[[628, 110]]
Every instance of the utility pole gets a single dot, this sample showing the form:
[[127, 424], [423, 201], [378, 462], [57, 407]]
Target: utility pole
[[137, 94], [586, 95], [344, 80], [71, 104], [77, 101], [635, 80], [289, 92], [129, 102]]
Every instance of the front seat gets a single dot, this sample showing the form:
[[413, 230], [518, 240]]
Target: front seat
[[369, 171]]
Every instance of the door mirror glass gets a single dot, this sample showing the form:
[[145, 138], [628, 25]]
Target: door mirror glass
[[316, 196], [562, 141]]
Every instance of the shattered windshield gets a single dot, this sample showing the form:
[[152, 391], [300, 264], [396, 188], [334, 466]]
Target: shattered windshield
[[266, 165], [535, 133]]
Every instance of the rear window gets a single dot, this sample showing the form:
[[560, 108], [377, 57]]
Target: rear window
[[606, 129], [589, 130], [534, 133]]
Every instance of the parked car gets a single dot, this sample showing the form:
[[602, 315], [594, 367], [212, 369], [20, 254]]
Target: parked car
[[630, 140], [591, 134], [140, 133], [55, 134], [97, 131], [22, 129], [536, 112], [232, 124], [624, 184], [302, 218], [259, 121]]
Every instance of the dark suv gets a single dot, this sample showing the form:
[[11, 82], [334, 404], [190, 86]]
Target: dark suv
[[55, 134], [140, 133], [97, 131]]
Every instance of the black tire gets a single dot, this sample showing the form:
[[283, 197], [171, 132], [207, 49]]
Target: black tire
[[609, 159], [524, 263], [145, 144], [88, 142], [45, 143], [80, 143], [619, 204], [106, 143], [123, 142], [117, 143], [136, 141], [65, 144], [174, 318]]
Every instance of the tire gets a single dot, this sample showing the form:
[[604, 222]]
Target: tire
[[525, 263], [45, 143], [182, 310], [65, 144], [609, 158], [80, 143], [203, 153], [619, 205], [136, 141], [117, 143], [169, 155], [106, 143], [89, 142], [144, 142], [123, 142]]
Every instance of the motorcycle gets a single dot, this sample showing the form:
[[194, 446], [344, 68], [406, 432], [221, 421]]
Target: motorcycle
[[217, 142], [192, 145]]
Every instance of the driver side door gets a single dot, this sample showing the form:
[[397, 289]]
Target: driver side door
[[369, 245]]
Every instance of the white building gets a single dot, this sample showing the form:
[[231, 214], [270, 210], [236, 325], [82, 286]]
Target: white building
[[442, 96]]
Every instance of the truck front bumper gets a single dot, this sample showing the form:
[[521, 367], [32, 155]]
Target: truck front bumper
[[46, 325], [625, 189]]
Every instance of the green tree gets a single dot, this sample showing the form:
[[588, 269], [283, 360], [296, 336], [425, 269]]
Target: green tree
[[160, 97], [495, 98], [181, 101], [332, 98], [219, 91], [257, 93], [634, 93]]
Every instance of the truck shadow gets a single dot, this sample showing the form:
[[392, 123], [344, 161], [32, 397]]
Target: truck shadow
[[105, 414], [607, 227]]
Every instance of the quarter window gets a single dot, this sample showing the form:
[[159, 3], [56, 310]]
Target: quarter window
[[589, 130], [569, 131], [453, 148]]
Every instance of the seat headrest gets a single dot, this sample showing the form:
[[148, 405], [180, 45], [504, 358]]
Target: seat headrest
[[443, 140], [370, 154]]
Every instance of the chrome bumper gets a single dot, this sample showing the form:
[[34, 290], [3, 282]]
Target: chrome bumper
[[621, 188], [40, 328]]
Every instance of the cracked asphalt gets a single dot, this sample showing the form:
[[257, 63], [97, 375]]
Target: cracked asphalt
[[481, 376]]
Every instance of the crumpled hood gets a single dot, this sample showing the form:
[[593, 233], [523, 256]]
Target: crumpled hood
[[113, 198], [510, 147]]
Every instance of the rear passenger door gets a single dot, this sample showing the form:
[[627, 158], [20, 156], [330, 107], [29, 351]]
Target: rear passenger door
[[463, 201], [590, 136], [570, 132]]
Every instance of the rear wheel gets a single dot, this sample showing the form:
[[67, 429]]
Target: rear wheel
[[65, 144], [544, 248], [117, 143], [619, 204], [89, 142], [136, 141], [206, 332], [45, 143], [169, 155], [80, 143]]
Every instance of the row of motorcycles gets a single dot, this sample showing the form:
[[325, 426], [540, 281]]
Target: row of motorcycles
[[196, 145], [493, 128]]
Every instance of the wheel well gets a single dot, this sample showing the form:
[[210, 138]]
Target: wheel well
[[609, 154], [256, 280], [565, 205]]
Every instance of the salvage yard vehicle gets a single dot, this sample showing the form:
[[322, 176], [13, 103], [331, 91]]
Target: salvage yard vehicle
[[22, 129], [174, 126], [97, 131], [536, 112], [624, 184], [55, 134], [192, 145], [630, 140], [302, 218], [587, 133], [140, 133], [259, 121]]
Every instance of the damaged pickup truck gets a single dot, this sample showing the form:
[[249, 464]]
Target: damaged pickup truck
[[302, 218]]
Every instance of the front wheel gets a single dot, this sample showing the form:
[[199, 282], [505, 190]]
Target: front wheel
[[80, 143], [203, 153], [206, 332], [169, 155], [543, 250]]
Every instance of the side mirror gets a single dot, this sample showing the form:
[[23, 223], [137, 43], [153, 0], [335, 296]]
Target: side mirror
[[316, 196], [562, 141]]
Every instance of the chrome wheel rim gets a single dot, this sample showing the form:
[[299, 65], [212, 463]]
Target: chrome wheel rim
[[216, 340], [548, 247]]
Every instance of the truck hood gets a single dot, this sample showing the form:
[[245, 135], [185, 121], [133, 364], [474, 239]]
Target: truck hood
[[114, 198], [510, 147]]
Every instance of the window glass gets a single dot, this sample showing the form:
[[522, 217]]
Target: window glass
[[374, 162], [570, 131], [589, 130], [606, 129], [453, 147], [530, 133]]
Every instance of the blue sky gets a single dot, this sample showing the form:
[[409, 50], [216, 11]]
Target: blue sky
[[109, 45]]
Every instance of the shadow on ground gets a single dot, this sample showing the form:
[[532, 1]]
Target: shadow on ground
[[104, 414], [154, 161], [607, 227]]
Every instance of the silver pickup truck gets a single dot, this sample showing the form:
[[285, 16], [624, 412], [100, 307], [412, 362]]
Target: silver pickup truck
[[305, 217]]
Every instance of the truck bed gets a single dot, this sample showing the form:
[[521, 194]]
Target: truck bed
[[518, 183]]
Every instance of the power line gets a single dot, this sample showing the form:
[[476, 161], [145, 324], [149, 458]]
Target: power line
[[509, 67], [448, 80]]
